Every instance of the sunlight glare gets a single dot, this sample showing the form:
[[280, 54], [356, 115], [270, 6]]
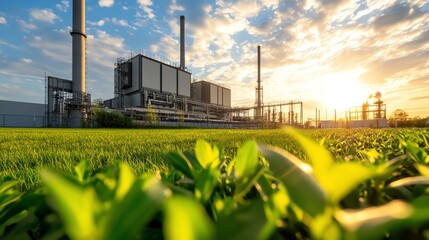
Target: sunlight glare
[[342, 90]]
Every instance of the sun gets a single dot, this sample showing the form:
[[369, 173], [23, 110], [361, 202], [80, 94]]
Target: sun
[[342, 90]]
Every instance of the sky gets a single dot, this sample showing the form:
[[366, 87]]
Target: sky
[[329, 54]]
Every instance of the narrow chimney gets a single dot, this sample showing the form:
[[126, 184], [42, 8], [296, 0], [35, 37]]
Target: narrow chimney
[[182, 42], [78, 63], [259, 102], [79, 41]]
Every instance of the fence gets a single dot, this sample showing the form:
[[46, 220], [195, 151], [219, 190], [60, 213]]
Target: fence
[[10, 120]]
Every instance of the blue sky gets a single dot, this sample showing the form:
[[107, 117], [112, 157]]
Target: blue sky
[[330, 54]]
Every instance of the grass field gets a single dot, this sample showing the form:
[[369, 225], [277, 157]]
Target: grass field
[[25, 151], [108, 183]]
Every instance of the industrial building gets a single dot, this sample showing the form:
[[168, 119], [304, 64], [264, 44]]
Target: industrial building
[[22, 114], [143, 84]]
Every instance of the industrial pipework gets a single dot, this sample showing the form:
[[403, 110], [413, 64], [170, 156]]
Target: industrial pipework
[[77, 111], [182, 42]]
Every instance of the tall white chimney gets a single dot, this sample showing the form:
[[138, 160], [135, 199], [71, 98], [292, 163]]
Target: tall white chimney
[[78, 62]]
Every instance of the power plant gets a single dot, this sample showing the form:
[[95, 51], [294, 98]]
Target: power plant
[[144, 85], [67, 101]]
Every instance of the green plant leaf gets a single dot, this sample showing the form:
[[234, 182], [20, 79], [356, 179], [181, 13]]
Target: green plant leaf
[[125, 181], [243, 185], [245, 222], [205, 183], [340, 179], [181, 163], [75, 204], [303, 189], [81, 171], [186, 219], [320, 158], [423, 170], [416, 153], [417, 180], [206, 155], [374, 222], [138, 206], [246, 160]]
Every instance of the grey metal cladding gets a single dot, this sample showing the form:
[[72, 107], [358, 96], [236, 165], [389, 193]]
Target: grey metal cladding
[[227, 97], [151, 74], [184, 87], [219, 95], [213, 94], [169, 83]]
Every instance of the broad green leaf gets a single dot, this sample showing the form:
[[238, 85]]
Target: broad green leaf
[[246, 160], [245, 222], [125, 180], [205, 183], [186, 219], [340, 179], [416, 153], [81, 171], [243, 186], [303, 189], [75, 204], [206, 155], [374, 222], [181, 163], [137, 207], [320, 158]]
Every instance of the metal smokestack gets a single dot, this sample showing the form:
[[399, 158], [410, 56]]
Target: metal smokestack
[[258, 89], [78, 62], [182, 42]]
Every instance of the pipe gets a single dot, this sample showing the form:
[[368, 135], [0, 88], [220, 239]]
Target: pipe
[[182, 42]]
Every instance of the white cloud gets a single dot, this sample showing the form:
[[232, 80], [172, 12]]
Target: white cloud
[[99, 23], [43, 15], [102, 51], [27, 26], [105, 3], [174, 7], [144, 5], [125, 8], [63, 6], [120, 22], [26, 60], [3, 20]]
